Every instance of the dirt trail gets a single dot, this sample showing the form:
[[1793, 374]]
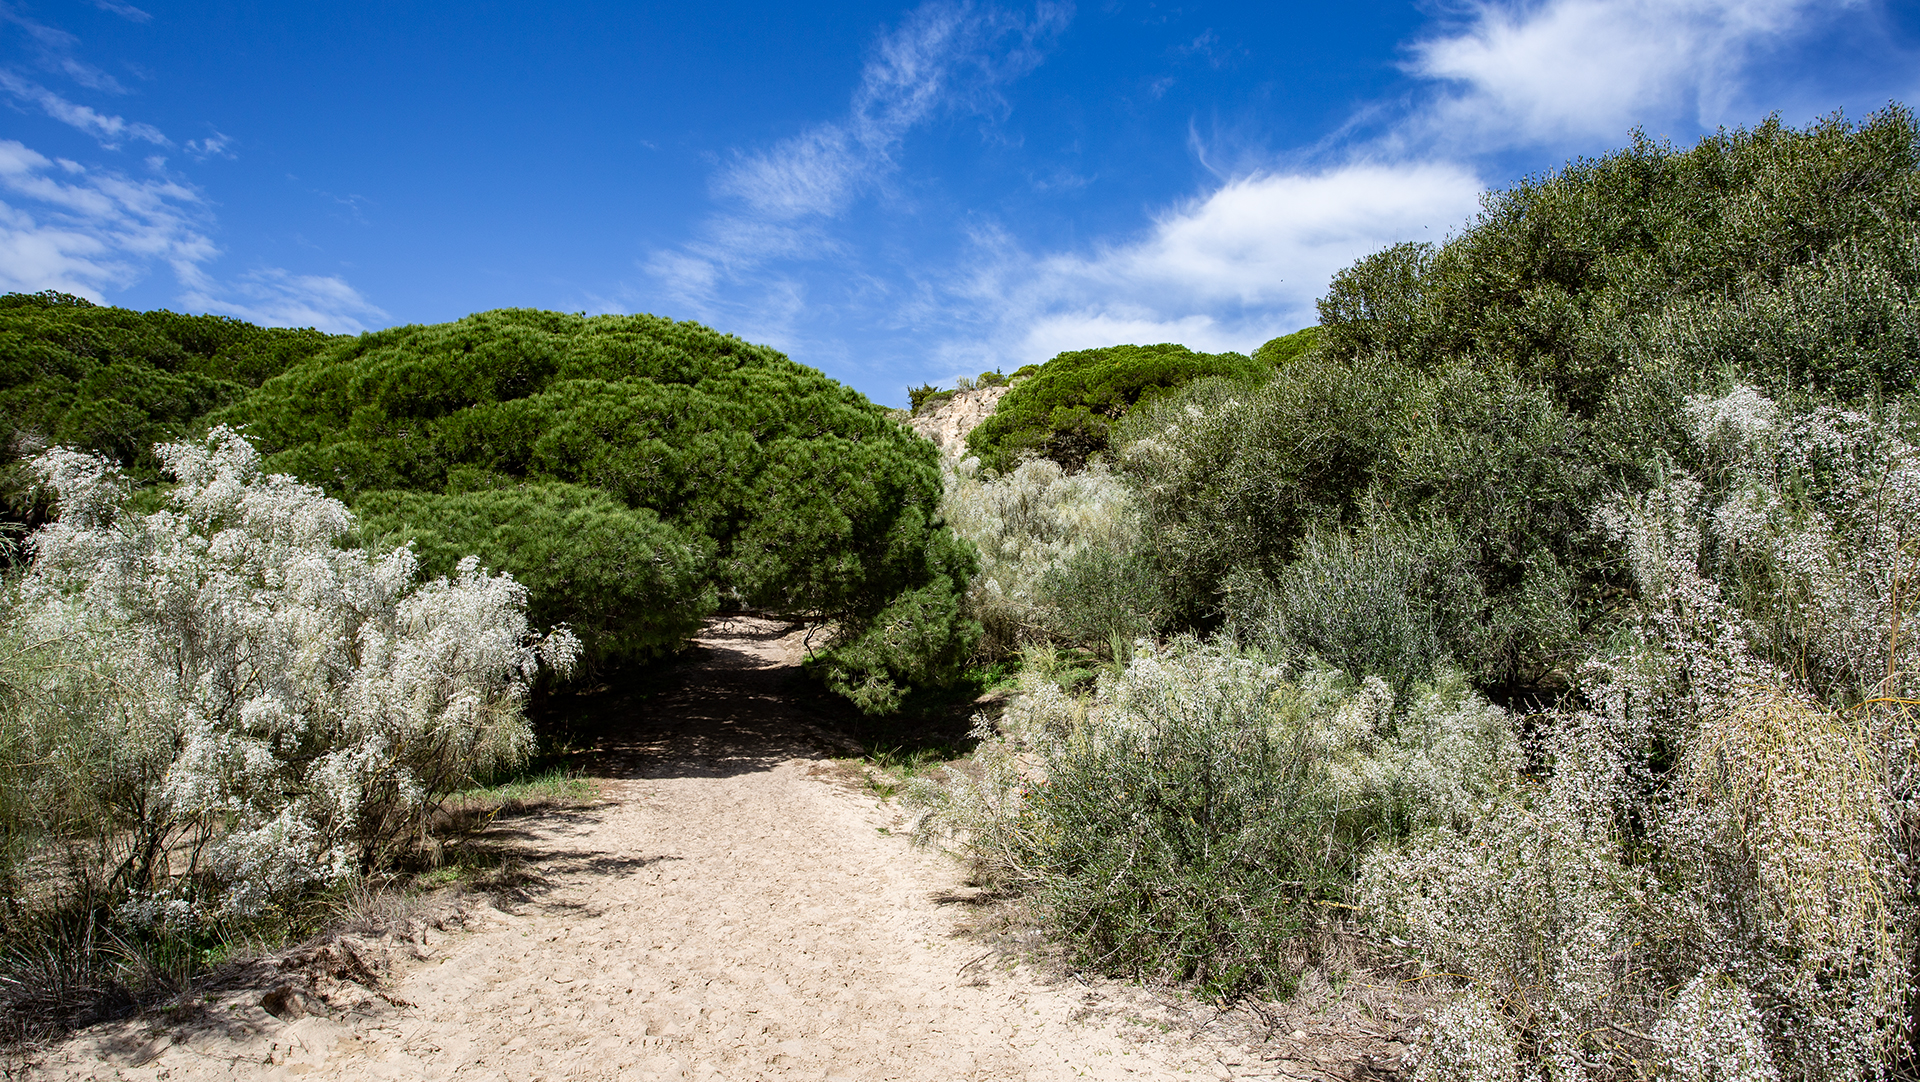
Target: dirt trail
[[731, 909]]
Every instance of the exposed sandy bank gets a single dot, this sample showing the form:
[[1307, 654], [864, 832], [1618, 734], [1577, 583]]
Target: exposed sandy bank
[[948, 423]]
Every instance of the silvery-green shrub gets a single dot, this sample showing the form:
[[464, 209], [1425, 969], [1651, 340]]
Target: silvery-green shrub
[[253, 708], [1187, 818], [1057, 553], [1723, 834]]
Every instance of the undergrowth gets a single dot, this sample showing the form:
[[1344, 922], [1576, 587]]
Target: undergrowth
[[74, 958]]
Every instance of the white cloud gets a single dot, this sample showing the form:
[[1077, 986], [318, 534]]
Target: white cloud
[[1248, 258], [1276, 239], [86, 231], [35, 255], [215, 145], [1226, 271], [125, 11], [944, 56], [91, 230], [277, 298], [812, 173], [1523, 74], [109, 129]]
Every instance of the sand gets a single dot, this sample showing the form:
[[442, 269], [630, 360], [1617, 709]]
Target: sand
[[730, 908]]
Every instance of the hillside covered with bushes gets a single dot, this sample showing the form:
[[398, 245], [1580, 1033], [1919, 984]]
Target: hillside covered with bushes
[[1549, 611], [119, 382], [1539, 625], [635, 472]]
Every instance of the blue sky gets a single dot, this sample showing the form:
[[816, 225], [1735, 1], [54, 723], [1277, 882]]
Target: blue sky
[[891, 193]]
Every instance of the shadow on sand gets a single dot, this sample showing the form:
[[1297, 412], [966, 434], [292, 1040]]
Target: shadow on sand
[[736, 702]]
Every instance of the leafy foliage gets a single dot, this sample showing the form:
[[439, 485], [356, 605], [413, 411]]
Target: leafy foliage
[[627, 582], [1055, 553], [785, 489], [1785, 256], [1064, 409], [1487, 395], [1278, 351], [925, 396], [118, 382], [1738, 841], [1184, 821]]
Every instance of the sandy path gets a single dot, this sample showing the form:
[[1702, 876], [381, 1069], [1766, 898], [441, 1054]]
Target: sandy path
[[730, 910]]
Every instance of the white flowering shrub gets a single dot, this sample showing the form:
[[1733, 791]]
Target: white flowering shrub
[[1713, 1033], [1048, 544], [256, 709], [1466, 1041], [1185, 819]]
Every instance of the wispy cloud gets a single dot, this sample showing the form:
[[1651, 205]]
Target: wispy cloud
[[277, 298], [214, 145], [52, 51], [110, 130], [943, 56], [88, 231], [125, 11], [85, 231]]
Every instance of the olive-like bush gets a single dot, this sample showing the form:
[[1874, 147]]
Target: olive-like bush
[[1059, 554], [1489, 394], [1785, 255], [1186, 820]]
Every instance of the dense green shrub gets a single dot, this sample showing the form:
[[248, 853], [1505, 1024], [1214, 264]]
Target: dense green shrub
[[1064, 409], [620, 577], [1231, 476], [925, 397], [118, 382], [1279, 351], [1100, 597], [792, 492], [1787, 256]]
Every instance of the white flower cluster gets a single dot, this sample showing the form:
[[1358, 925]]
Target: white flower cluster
[[1713, 1033], [1027, 524], [1465, 1041], [282, 709]]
